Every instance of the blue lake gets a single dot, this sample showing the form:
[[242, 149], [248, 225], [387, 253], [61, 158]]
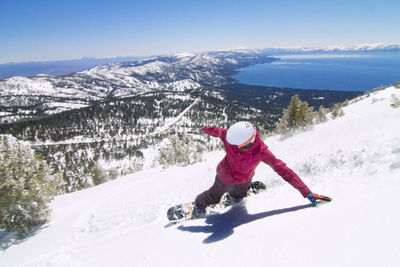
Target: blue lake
[[362, 71]]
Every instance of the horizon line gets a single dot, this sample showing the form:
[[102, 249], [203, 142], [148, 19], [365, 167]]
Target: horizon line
[[345, 48]]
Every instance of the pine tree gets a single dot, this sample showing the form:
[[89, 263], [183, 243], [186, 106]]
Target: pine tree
[[298, 115], [321, 114], [26, 187], [337, 111], [306, 115], [97, 173], [395, 102], [180, 151], [294, 116]]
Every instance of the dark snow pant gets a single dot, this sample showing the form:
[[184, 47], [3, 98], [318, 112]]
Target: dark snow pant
[[214, 194]]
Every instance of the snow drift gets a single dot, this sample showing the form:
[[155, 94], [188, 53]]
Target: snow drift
[[355, 159]]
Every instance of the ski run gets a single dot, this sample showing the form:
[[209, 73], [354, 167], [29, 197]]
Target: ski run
[[355, 159]]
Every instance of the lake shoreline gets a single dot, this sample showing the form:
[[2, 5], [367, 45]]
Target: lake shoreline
[[351, 71]]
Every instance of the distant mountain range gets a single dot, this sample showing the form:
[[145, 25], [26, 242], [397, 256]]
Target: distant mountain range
[[63, 67], [40, 95], [57, 67], [43, 94], [381, 47]]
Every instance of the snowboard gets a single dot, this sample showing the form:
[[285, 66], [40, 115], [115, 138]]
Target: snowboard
[[182, 212]]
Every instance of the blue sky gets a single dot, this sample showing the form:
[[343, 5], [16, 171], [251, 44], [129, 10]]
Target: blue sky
[[39, 30]]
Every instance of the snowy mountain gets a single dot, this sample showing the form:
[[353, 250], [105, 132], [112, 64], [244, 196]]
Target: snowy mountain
[[379, 47], [355, 159], [367, 47], [22, 98], [57, 67]]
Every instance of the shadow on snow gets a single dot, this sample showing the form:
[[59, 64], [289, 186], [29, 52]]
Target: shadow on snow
[[220, 226], [7, 239]]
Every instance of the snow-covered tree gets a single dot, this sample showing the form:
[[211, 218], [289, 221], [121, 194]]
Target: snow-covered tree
[[321, 114], [337, 111], [180, 151], [97, 173], [395, 102], [306, 115], [298, 115], [26, 187]]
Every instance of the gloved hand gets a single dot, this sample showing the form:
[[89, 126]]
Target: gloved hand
[[314, 197], [201, 130]]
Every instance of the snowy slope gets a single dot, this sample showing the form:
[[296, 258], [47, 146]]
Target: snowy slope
[[355, 159]]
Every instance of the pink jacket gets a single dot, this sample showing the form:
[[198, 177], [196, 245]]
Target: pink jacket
[[239, 166]]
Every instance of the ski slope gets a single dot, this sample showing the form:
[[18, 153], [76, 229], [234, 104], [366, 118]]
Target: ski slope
[[355, 159]]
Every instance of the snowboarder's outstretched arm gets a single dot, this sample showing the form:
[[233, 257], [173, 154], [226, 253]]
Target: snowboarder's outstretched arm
[[213, 131], [285, 172], [292, 178]]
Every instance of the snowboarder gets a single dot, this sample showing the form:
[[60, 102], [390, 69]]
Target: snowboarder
[[244, 151]]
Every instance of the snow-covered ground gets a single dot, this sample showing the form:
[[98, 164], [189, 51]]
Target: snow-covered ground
[[354, 159]]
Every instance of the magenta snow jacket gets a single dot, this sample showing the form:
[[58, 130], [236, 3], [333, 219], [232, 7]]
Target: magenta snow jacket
[[239, 166]]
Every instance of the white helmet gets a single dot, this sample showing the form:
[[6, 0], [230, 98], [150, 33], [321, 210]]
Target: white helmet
[[241, 134]]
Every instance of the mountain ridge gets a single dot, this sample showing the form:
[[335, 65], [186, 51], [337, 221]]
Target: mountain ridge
[[40, 95], [378, 47]]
